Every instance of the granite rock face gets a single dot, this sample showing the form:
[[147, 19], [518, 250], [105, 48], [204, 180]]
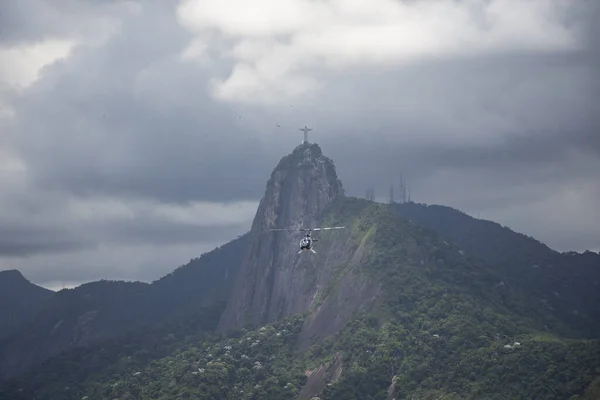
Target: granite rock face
[[276, 281]]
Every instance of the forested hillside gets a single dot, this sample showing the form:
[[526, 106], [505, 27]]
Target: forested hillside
[[405, 302], [565, 284], [441, 326], [102, 310]]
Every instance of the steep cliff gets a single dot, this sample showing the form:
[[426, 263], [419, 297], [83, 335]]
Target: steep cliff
[[273, 281]]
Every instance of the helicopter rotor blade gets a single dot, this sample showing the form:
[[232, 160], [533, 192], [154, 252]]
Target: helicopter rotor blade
[[307, 229], [328, 228]]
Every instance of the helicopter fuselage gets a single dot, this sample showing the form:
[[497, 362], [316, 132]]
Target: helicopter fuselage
[[306, 243]]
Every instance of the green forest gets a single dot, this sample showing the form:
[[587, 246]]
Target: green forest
[[442, 328]]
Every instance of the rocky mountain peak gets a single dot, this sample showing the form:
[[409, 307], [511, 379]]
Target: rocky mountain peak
[[301, 186]]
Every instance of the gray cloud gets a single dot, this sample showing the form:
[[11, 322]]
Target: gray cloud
[[20, 241], [133, 120], [123, 134], [29, 21]]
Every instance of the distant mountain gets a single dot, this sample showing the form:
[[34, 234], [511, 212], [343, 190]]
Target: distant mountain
[[101, 310], [397, 313], [386, 309], [20, 301], [565, 284]]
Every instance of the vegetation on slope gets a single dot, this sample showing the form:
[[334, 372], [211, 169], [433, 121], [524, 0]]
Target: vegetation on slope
[[376, 359], [443, 327], [68, 374], [419, 364], [244, 365], [566, 285], [101, 310]]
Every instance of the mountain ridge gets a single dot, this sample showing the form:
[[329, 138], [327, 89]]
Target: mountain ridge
[[438, 325], [567, 284], [387, 307], [104, 309]]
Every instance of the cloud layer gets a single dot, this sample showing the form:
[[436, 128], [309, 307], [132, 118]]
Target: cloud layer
[[136, 135], [280, 48]]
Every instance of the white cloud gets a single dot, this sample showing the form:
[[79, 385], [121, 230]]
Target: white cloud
[[21, 64], [275, 46], [237, 18], [20, 67]]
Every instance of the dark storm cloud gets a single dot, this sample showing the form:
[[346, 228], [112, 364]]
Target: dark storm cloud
[[130, 119], [28, 235], [510, 115], [163, 233], [127, 120], [144, 248], [17, 241], [545, 149], [28, 21]]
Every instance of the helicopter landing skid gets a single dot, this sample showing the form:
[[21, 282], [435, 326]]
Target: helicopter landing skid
[[314, 252]]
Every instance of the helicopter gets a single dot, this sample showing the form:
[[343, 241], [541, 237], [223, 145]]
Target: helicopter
[[306, 244]]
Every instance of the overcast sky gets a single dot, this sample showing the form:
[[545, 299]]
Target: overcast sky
[[135, 135]]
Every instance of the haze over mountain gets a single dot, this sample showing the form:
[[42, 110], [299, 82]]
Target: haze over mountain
[[386, 307]]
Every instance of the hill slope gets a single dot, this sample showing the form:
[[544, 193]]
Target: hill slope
[[101, 310], [386, 308], [565, 284], [437, 324], [20, 301]]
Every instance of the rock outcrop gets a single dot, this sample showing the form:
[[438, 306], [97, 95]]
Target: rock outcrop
[[273, 281]]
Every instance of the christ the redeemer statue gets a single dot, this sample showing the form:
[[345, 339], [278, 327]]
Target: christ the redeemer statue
[[305, 130]]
